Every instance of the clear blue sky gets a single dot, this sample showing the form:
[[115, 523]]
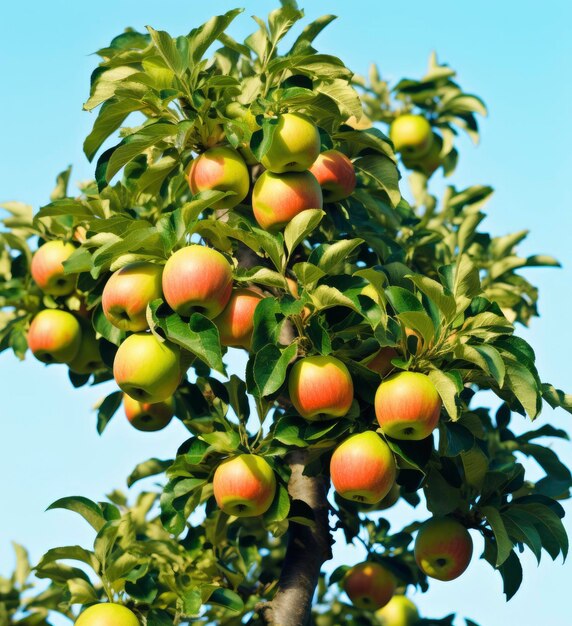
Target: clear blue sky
[[517, 56]]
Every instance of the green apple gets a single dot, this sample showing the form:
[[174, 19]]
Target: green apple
[[295, 145], [244, 486], [428, 163], [127, 294], [443, 548], [399, 611], [320, 387], [411, 135], [54, 336], [48, 271], [220, 169], [147, 369], [88, 358], [149, 417], [362, 468], [107, 614]]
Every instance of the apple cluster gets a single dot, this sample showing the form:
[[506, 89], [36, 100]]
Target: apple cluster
[[197, 279]]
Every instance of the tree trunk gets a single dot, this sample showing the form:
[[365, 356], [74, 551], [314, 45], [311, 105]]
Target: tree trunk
[[308, 549]]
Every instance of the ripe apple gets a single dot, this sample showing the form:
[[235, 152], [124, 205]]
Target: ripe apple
[[220, 169], [277, 198], [244, 486], [54, 336], [407, 406], [149, 417], [320, 387], [336, 175], [369, 585], [363, 468], [399, 611], [107, 614], [295, 145], [147, 369], [197, 279], [48, 271], [128, 292], [381, 361], [429, 162], [236, 323], [443, 548], [411, 135], [88, 358]]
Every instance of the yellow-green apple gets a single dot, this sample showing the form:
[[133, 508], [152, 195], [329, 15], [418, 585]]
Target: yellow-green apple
[[363, 468], [295, 145], [429, 162], [443, 548], [88, 358], [399, 611], [336, 175], [107, 614], [147, 369], [244, 486], [220, 169], [48, 271], [320, 387], [236, 323], [411, 135], [407, 406], [54, 336], [128, 292], [381, 361], [237, 111], [369, 585], [148, 417], [277, 198], [197, 279]]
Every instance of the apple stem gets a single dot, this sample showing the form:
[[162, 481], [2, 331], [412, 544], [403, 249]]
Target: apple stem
[[308, 549]]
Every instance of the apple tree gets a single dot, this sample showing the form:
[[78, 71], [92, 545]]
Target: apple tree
[[247, 202]]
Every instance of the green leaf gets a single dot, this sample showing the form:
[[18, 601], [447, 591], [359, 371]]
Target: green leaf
[[279, 508], [200, 39], [328, 256], [448, 386], [511, 572], [403, 300], [556, 397], [167, 48], [301, 226], [523, 384], [90, 511], [107, 409], [436, 293], [262, 139], [270, 366], [382, 171], [151, 467], [199, 335], [503, 542], [343, 94], [486, 357], [226, 598]]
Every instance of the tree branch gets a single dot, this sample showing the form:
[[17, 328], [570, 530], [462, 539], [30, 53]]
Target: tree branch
[[308, 549]]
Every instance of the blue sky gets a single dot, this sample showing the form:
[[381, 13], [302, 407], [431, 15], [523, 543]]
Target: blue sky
[[517, 56]]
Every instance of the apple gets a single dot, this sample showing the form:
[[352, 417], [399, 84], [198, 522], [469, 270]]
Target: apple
[[411, 135], [48, 271], [128, 292], [381, 361], [197, 279], [277, 198], [236, 111], [363, 468], [369, 585], [244, 486], [399, 611], [54, 336], [107, 614], [88, 358], [236, 323], [407, 406], [443, 548], [336, 175], [295, 145], [320, 387], [147, 369], [220, 169], [148, 417], [428, 163]]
